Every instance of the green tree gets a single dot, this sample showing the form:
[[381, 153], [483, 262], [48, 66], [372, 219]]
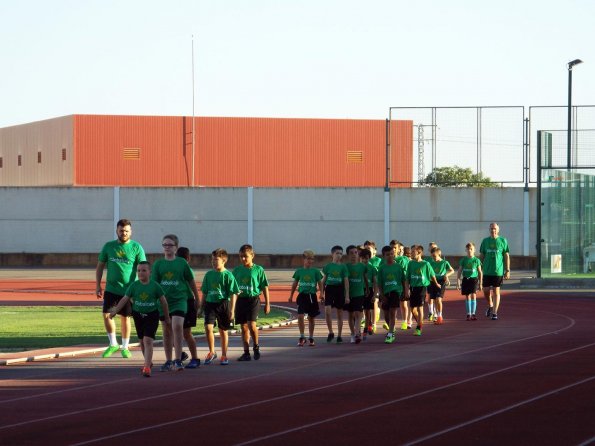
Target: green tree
[[456, 177]]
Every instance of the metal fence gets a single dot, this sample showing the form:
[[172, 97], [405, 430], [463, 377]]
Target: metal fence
[[499, 142]]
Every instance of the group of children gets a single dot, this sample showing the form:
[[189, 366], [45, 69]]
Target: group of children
[[400, 277], [167, 292]]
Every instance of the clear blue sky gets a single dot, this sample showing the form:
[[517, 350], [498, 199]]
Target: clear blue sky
[[282, 58]]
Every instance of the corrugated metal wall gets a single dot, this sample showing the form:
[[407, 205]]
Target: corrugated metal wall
[[229, 152], [44, 151]]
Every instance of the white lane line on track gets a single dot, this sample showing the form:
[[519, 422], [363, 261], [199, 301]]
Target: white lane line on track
[[587, 442], [416, 395], [499, 411], [269, 400]]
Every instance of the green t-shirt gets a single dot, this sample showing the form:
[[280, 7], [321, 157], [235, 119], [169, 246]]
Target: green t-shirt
[[493, 250], [145, 297], [173, 276], [307, 279], [371, 273], [251, 281], [440, 268], [469, 266], [403, 261], [121, 260], [335, 273], [419, 273], [356, 279], [391, 278], [376, 261], [219, 285]]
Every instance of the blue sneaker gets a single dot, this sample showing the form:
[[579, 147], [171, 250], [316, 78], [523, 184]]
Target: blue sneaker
[[178, 366], [193, 364], [167, 366], [210, 358]]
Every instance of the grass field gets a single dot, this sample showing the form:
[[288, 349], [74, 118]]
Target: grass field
[[27, 328]]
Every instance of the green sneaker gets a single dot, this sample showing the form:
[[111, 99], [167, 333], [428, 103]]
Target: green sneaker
[[126, 353], [385, 326], [390, 338], [110, 351], [418, 332]]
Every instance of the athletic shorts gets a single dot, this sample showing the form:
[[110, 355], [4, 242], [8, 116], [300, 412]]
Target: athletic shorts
[[247, 309], [191, 314], [492, 281], [308, 304], [355, 304], [146, 324], [218, 313], [391, 300], [334, 295], [369, 300], [469, 285], [110, 300], [436, 292], [172, 314], [418, 294]]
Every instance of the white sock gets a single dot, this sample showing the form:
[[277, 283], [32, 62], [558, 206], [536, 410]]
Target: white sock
[[125, 342], [112, 339]]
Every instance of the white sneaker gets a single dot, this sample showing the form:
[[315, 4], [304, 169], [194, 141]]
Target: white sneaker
[[353, 339]]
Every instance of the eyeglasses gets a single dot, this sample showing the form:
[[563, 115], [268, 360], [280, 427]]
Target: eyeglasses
[[167, 245]]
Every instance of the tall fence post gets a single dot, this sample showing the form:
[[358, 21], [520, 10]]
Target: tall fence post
[[251, 215], [116, 207]]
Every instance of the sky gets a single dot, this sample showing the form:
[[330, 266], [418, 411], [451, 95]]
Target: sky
[[294, 59]]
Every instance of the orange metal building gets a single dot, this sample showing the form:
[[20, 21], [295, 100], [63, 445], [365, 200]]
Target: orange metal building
[[98, 150]]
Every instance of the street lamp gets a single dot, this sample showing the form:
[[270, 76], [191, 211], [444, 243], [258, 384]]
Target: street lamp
[[569, 136]]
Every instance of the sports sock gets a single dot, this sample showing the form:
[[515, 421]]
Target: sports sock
[[473, 306], [125, 342], [468, 306], [112, 339]]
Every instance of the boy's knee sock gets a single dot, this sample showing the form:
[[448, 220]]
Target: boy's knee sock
[[112, 339], [468, 306], [473, 306]]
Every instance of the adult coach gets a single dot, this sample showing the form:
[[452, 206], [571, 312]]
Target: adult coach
[[121, 257], [496, 267]]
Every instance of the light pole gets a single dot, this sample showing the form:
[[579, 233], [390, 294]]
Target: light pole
[[569, 136]]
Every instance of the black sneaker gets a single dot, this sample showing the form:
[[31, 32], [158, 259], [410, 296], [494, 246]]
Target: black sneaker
[[245, 357], [330, 337], [489, 312], [494, 317], [184, 356], [256, 353], [311, 342]]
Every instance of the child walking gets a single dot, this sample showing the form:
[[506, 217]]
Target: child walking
[[146, 295], [443, 270], [469, 278], [391, 281], [306, 280], [419, 275], [335, 282]]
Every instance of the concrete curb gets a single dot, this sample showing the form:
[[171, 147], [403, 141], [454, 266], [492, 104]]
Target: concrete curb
[[92, 350]]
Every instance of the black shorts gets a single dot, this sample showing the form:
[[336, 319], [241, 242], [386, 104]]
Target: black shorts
[[355, 304], [469, 285], [191, 315], [218, 313], [308, 304], [369, 300], [418, 294], [178, 313], [110, 300], [436, 292], [492, 281], [146, 324], [247, 309], [391, 300], [334, 295]]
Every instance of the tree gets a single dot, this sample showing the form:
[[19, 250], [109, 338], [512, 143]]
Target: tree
[[456, 177]]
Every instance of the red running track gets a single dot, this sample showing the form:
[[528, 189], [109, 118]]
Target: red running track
[[528, 378]]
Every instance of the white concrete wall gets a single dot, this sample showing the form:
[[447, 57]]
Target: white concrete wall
[[286, 221]]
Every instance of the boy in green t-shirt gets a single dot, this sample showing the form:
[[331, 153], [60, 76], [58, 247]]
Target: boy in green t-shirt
[[145, 295], [419, 275], [190, 318], [357, 291], [252, 282], [306, 280], [391, 280], [469, 278], [371, 296], [220, 292], [442, 269], [175, 277], [336, 292]]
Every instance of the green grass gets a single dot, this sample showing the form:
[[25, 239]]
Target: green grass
[[27, 328]]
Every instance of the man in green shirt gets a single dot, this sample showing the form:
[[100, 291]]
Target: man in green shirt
[[121, 256], [496, 267]]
